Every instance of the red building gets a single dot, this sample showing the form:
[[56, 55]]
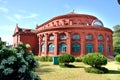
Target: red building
[[76, 34]]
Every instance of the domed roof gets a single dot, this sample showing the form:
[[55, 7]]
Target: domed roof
[[83, 19], [74, 14]]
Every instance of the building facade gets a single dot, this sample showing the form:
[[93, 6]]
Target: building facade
[[73, 33]]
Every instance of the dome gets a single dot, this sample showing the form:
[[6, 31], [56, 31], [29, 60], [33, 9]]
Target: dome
[[75, 19]]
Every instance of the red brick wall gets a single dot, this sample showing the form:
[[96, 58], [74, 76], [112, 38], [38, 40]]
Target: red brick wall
[[31, 40]]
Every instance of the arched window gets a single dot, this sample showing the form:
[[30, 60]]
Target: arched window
[[62, 47], [62, 36], [108, 38], [43, 38], [76, 37], [43, 47], [89, 37], [75, 47], [89, 48], [51, 47], [100, 37], [108, 48], [97, 23], [51, 37], [100, 48]]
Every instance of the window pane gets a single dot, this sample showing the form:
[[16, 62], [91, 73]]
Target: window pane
[[100, 48], [51, 37], [97, 23], [108, 38], [76, 36], [100, 37], [89, 37], [89, 48], [51, 48], [108, 47], [75, 47], [62, 36], [62, 47], [43, 47], [43, 38]]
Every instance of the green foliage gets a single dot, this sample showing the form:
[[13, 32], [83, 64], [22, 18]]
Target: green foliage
[[116, 39], [78, 59], [50, 58], [2, 45], [66, 58], [117, 48], [96, 70], [17, 64], [117, 58], [94, 59], [44, 58]]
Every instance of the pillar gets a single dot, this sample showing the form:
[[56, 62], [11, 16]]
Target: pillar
[[105, 45], [83, 43], [46, 44], [111, 45], [40, 50], [68, 43], [56, 44], [95, 42]]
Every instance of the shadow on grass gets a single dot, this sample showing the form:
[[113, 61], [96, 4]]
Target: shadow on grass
[[79, 67], [43, 71], [44, 65], [113, 72], [70, 66]]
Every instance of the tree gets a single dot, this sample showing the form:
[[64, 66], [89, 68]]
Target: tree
[[17, 64], [116, 38]]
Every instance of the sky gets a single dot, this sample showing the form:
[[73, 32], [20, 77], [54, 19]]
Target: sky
[[29, 13]]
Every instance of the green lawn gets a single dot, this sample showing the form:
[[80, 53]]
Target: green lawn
[[48, 71]]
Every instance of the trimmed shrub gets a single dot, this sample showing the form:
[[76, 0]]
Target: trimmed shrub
[[78, 59], [49, 58], [44, 58], [37, 58], [117, 58], [94, 59], [66, 59]]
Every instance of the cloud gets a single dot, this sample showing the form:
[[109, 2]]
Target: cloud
[[33, 15], [18, 17], [6, 29], [12, 19], [2, 9], [3, 1]]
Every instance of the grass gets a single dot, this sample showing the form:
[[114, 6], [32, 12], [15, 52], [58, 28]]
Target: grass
[[48, 71]]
